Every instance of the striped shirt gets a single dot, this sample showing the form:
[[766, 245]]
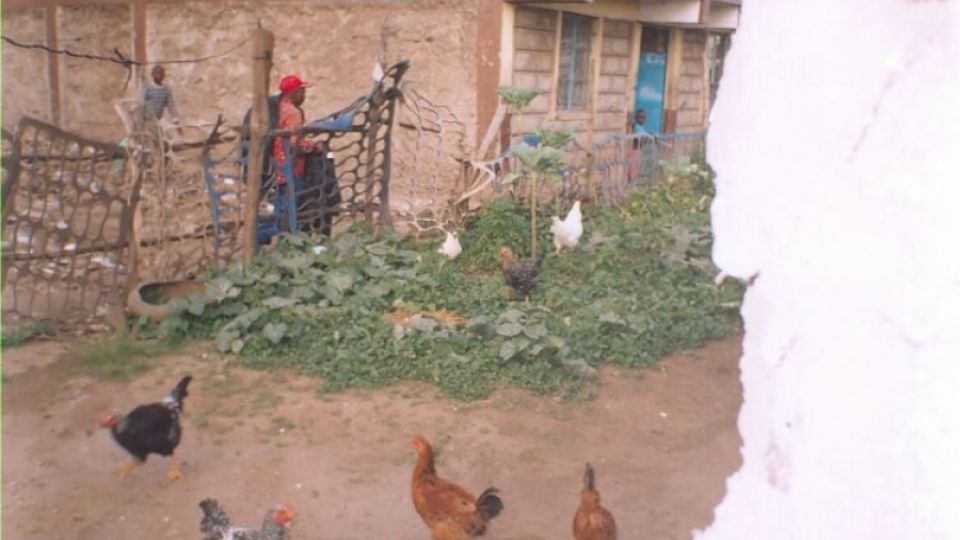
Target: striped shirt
[[157, 98]]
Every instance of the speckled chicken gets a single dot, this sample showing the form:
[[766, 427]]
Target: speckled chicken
[[216, 525], [592, 521], [521, 275], [150, 429]]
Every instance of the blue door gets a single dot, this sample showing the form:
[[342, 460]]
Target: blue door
[[651, 80]]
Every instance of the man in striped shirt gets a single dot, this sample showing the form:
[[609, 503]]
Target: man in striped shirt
[[157, 98]]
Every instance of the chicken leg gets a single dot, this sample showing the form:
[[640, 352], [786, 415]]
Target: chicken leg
[[174, 473], [123, 470]]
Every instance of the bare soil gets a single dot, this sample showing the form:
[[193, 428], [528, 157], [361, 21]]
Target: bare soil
[[662, 440]]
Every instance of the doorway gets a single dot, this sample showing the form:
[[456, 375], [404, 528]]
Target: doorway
[[652, 77]]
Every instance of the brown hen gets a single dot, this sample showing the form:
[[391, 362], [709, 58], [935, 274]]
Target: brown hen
[[592, 521], [445, 507], [448, 529]]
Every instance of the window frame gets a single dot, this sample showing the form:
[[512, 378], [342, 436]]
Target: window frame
[[586, 111]]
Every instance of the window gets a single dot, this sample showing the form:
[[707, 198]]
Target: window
[[573, 84]]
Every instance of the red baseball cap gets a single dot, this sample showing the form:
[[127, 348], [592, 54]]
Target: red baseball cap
[[291, 83]]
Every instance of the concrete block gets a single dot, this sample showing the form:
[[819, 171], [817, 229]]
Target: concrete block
[[614, 65], [538, 19], [616, 28], [533, 61], [533, 40], [616, 47]]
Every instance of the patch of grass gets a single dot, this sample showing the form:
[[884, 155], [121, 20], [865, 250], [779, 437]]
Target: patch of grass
[[122, 357], [19, 336], [639, 286]]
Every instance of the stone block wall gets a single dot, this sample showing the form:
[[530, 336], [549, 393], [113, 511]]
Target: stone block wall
[[332, 44], [613, 105], [25, 89], [535, 32], [689, 96], [89, 89], [535, 35]]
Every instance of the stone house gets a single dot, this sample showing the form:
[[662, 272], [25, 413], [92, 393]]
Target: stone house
[[598, 61], [595, 61]]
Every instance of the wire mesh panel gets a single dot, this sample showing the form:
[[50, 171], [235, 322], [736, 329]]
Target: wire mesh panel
[[604, 172], [174, 226], [348, 175], [65, 225], [225, 193], [622, 162], [429, 165]]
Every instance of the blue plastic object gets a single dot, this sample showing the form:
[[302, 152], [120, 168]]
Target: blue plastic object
[[531, 139], [339, 123]]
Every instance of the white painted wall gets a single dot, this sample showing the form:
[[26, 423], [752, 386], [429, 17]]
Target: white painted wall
[[836, 139]]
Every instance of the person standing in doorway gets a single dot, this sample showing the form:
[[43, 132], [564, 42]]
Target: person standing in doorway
[[157, 98], [639, 119], [642, 138]]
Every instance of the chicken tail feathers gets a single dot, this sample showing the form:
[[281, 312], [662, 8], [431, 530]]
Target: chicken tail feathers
[[489, 503], [588, 480], [179, 392], [215, 519]]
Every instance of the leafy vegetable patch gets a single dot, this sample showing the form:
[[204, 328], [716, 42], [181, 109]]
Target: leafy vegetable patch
[[369, 311]]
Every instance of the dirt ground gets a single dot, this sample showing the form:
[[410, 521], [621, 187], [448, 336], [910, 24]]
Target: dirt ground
[[662, 440]]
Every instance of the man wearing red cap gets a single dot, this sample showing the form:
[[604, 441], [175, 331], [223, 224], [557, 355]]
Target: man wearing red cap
[[290, 117]]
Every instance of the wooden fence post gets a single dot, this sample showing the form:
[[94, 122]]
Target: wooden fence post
[[262, 62]]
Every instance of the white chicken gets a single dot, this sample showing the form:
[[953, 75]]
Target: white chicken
[[567, 233], [451, 246]]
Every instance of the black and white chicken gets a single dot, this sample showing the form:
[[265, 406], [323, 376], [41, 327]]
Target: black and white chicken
[[150, 429], [216, 525], [520, 274]]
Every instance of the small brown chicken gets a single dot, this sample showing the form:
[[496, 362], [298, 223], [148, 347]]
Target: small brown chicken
[[592, 521], [520, 275], [450, 511]]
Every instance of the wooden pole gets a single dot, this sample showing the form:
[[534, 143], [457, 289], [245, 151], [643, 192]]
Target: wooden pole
[[53, 64], [262, 62], [139, 43]]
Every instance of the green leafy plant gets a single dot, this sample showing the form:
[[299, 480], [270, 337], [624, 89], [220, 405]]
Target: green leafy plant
[[373, 310], [517, 98], [554, 138], [541, 162], [24, 334]]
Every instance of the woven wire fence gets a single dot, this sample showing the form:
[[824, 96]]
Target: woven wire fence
[[174, 231], [66, 223], [347, 175], [429, 166], [84, 221], [604, 173]]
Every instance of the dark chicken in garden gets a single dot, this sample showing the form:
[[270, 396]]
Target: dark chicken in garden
[[150, 429], [592, 521], [521, 275], [216, 525], [450, 511]]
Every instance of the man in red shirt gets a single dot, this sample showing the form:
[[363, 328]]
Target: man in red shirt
[[290, 117]]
